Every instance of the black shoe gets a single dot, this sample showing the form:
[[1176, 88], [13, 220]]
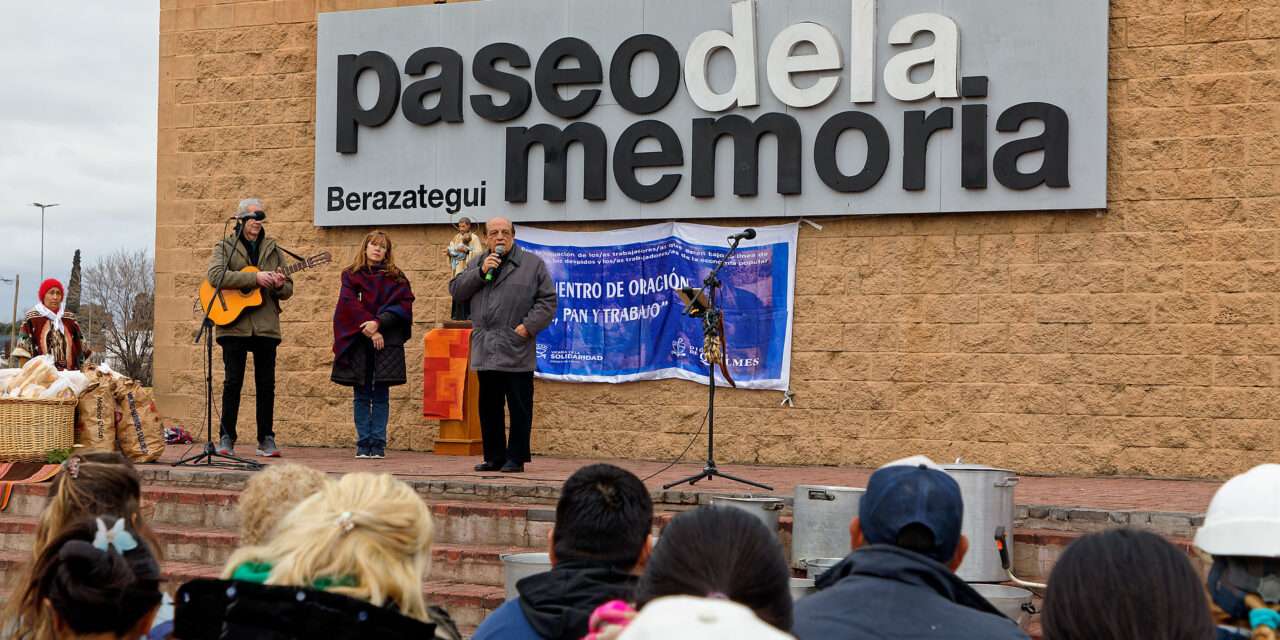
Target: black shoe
[[488, 466], [513, 467]]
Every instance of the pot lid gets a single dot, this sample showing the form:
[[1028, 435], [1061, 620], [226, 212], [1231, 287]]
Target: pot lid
[[960, 465], [827, 487]]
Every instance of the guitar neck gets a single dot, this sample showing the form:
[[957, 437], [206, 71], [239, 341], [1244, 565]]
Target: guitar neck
[[290, 269]]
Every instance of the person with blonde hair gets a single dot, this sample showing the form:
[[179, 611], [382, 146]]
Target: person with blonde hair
[[272, 492], [365, 536], [89, 484], [371, 324]]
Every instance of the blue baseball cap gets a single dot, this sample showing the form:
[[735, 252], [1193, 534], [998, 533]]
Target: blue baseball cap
[[913, 491]]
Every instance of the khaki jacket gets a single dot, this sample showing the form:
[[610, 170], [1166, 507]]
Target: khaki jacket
[[263, 320]]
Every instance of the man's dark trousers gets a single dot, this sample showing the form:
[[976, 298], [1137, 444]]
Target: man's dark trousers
[[235, 350], [515, 390]]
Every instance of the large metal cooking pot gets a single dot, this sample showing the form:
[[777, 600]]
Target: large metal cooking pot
[[766, 509], [1013, 602], [820, 526], [988, 503], [516, 566], [814, 567], [801, 587]]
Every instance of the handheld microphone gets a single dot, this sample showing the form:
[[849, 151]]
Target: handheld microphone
[[250, 215], [745, 234], [492, 273]]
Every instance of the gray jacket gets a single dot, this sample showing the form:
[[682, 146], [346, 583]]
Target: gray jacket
[[523, 293]]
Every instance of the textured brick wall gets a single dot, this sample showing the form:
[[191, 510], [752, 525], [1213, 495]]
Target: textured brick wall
[[1142, 339]]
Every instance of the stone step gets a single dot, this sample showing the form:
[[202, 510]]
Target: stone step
[[478, 564]]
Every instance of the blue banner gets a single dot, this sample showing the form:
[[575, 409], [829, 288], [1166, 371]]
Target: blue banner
[[619, 316]]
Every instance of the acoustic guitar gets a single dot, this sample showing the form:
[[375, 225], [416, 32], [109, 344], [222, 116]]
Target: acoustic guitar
[[228, 304]]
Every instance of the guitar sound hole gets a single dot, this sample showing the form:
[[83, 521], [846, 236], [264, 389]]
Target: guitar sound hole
[[247, 291]]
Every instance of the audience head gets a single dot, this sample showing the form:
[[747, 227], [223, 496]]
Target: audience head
[[604, 515], [1123, 584], [97, 577], [686, 617], [913, 504], [272, 492], [725, 552], [365, 535], [1240, 532], [91, 484]]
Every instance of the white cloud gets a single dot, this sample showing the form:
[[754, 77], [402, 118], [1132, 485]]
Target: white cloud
[[77, 127]]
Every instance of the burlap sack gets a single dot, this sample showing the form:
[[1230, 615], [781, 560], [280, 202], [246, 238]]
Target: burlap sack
[[139, 434], [96, 414]]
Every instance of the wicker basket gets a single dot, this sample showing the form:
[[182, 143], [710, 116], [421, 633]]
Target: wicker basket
[[30, 429]]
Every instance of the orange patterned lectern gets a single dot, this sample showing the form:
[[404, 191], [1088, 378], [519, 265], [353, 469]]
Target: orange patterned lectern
[[450, 391]]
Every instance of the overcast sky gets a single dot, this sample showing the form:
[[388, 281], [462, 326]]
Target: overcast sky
[[77, 127]]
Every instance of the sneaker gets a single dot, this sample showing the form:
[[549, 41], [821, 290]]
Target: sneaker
[[378, 453], [362, 453], [226, 446], [267, 448]]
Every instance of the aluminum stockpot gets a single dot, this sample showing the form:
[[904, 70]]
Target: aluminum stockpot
[[814, 567], [820, 524], [988, 504], [517, 566], [1013, 602], [801, 587], [765, 508]]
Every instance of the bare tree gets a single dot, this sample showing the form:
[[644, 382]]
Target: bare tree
[[122, 288]]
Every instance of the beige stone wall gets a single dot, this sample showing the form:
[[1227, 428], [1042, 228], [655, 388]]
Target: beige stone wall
[[1140, 340]]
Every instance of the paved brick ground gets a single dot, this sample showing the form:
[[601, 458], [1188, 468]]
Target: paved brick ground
[[1096, 493]]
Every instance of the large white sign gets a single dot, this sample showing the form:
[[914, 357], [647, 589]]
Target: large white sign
[[656, 109]]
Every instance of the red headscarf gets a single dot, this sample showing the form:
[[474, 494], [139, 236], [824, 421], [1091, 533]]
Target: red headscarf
[[51, 283]]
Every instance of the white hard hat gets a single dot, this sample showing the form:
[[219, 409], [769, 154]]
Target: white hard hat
[[1244, 516]]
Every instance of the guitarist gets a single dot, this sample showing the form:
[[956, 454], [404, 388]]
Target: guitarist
[[257, 330]]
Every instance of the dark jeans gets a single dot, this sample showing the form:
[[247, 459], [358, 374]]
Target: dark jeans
[[235, 351], [515, 390], [372, 406]]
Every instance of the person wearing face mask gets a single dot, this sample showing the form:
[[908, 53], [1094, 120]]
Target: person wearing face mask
[[49, 329], [371, 323], [512, 298], [256, 330]]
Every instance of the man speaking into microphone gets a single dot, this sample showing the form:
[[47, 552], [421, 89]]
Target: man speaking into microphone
[[512, 298]]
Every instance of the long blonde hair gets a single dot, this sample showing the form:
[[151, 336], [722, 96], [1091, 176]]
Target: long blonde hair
[[368, 534], [361, 259]]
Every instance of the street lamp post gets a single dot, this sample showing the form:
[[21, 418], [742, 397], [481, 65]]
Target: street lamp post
[[13, 329], [42, 208]]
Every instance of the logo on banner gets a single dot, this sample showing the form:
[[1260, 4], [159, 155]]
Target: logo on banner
[[679, 347], [541, 350]]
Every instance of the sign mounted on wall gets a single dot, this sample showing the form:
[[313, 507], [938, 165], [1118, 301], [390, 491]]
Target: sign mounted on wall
[[655, 109]]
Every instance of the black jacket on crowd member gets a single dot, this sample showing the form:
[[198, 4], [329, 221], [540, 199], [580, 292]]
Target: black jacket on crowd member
[[558, 603], [883, 592], [213, 609]]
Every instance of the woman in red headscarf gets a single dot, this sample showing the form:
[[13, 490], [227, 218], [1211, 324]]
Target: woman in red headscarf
[[49, 329]]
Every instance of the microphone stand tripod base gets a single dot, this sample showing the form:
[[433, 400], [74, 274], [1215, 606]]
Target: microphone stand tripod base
[[710, 471], [211, 458]]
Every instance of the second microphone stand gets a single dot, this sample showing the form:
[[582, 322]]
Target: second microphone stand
[[711, 325]]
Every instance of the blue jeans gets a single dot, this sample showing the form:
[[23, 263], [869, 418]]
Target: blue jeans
[[372, 406]]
